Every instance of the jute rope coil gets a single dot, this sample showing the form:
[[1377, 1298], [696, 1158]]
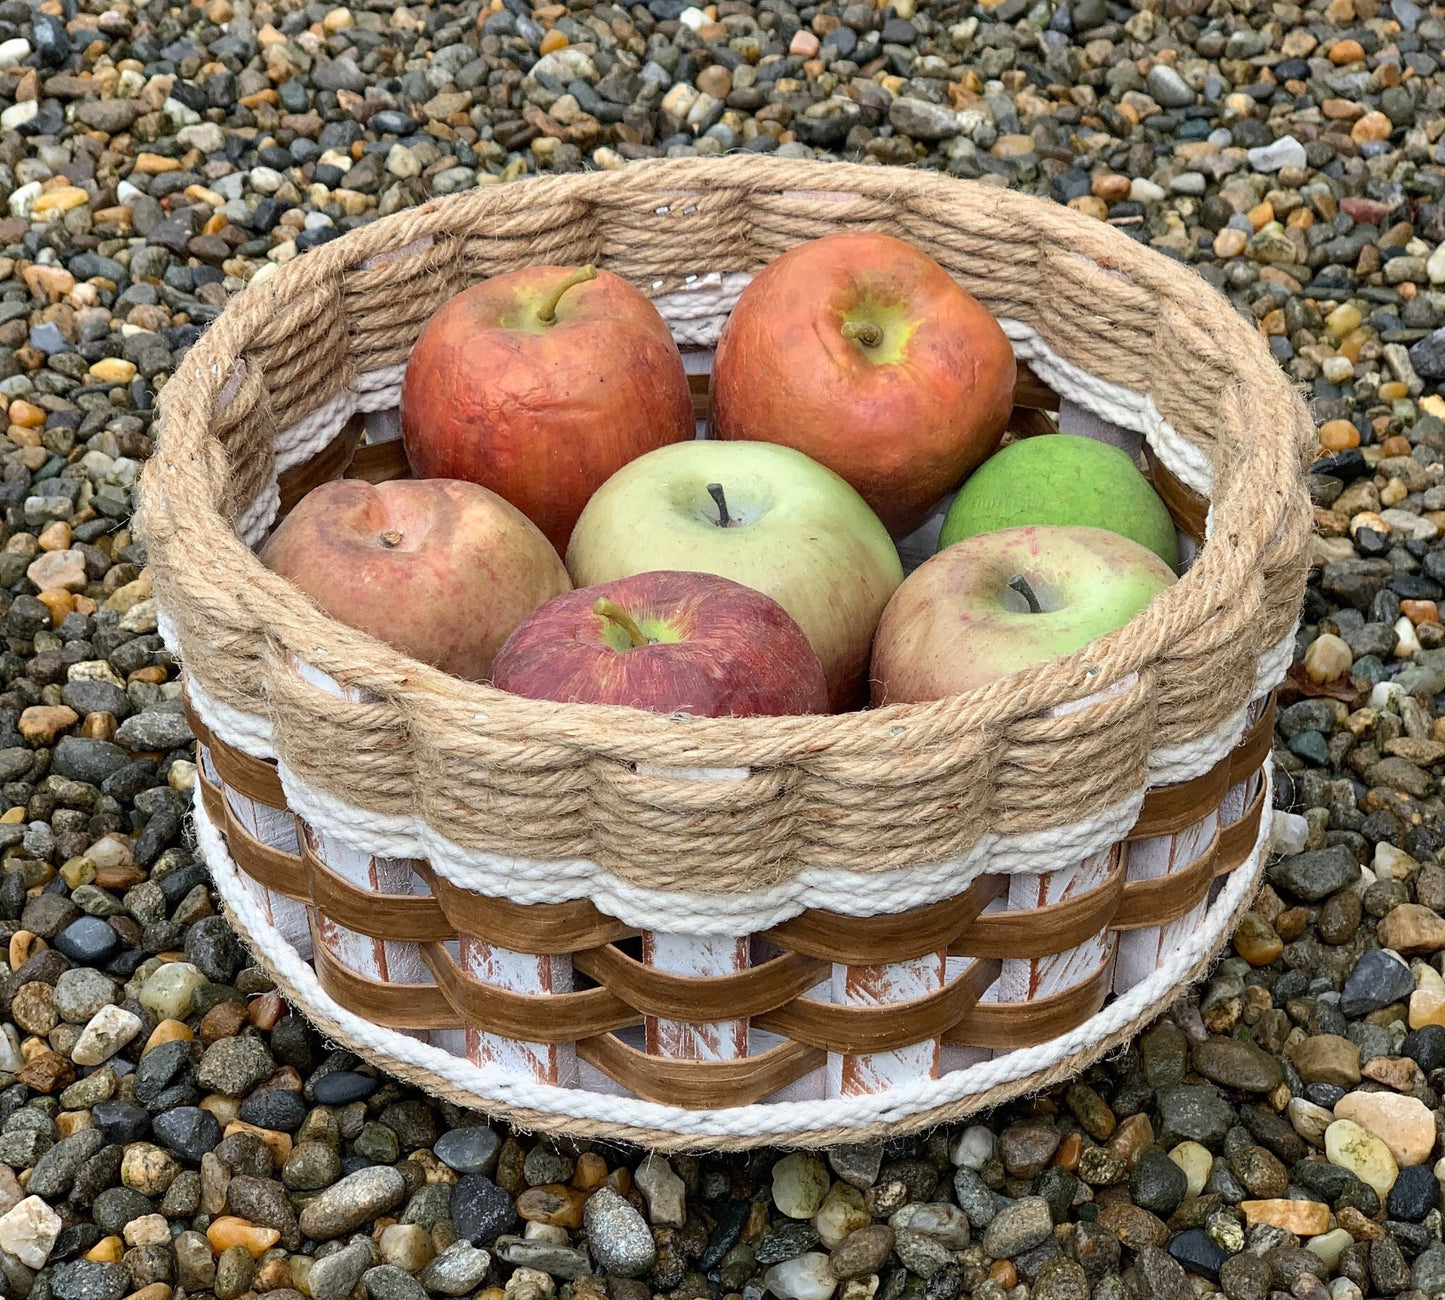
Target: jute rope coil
[[872, 791]]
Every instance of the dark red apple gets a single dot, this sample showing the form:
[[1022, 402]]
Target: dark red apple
[[540, 385], [439, 569], [669, 642], [862, 352]]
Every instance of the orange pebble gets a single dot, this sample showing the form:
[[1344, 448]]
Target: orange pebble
[[278, 1142], [1346, 51], [266, 1010], [168, 1031], [1004, 1273], [591, 1171], [26, 415], [108, 1250], [58, 601], [1338, 435], [24, 946], [1420, 611], [1395, 445], [228, 1231], [1070, 1149]]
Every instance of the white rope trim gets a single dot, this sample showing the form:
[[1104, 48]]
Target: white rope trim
[[491, 1086], [852, 893]]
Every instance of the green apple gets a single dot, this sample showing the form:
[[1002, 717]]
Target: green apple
[[1062, 479], [990, 605], [763, 515]]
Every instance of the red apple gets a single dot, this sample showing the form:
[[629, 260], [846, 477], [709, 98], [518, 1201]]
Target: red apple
[[441, 570], [669, 642], [861, 352], [540, 384]]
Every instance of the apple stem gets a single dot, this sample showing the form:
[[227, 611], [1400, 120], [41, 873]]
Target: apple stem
[[611, 610], [1021, 585], [864, 332], [580, 276], [391, 537], [715, 491]]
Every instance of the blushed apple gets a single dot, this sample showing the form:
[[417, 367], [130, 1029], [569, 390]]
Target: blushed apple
[[441, 570], [541, 383], [666, 641], [762, 515], [991, 605], [862, 352]]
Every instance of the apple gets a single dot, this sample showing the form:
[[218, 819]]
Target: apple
[[540, 384], [667, 641], [440, 569], [993, 604], [762, 515], [862, 352], [1060, 478]]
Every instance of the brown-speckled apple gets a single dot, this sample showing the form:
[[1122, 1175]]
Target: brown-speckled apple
[[991, 605], [667, 641], [440, 569], [862, 352], [540, 384]]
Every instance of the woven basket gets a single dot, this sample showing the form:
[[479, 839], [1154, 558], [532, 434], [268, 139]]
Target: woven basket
[[700, 932]]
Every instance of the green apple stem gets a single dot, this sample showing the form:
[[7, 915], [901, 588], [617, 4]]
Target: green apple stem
[[1021, 585], [580, 276], [715, 491], [864, 332], [613, 612]]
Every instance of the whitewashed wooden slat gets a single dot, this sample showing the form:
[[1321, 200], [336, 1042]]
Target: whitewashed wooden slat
[[275, 827], [1141, 951], [855, 1074]]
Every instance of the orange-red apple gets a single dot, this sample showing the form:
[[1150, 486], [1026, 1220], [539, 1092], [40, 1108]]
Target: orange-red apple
[[861, 351], [540, 384], [440, 569]]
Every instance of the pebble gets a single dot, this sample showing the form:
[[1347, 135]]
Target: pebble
[[1404, 1124], [1017, 1228], [1352, 1147], [618, 1234]]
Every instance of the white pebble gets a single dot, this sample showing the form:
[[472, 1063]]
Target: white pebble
[[1407, 644], [22, 199], [973, 1147], [1435, 266], [1385, 694], [1142, 191], [693, 18], [1288, 833], [110, 1029], [805, 1278], [13, 52], [28, 1231]]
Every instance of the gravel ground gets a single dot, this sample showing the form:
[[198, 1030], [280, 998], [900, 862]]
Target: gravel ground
[[166, 1127]]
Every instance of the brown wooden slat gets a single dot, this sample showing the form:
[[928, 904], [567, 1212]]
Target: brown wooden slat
[[698, 1084], [831, 1027], [1043, 931], [1188, 509], [540, 929], [1249, 755], [265, 864], [1023, 1024], [878, 940], [404, 918], [380, 462], [396, 1006], [525, 1017], [1168, 809], [702, 999], [328, 463], [1156, 902], [1031, 391]]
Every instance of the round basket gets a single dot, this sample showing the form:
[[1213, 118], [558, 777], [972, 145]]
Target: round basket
[[696, 932]]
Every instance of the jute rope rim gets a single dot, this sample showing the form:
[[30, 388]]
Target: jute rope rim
[[1257, 493]]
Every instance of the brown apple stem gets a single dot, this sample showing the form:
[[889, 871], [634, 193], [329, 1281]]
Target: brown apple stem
[[580, 276], [611, 610], [1021, 585], [864, 332], [715, 491], [391, 537]]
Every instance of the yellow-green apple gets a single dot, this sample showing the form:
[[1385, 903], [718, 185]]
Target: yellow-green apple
[[862, 352], [762, 515], [667, 641], [1062, 479], [539, 384], [440, 569], [993, 604]]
